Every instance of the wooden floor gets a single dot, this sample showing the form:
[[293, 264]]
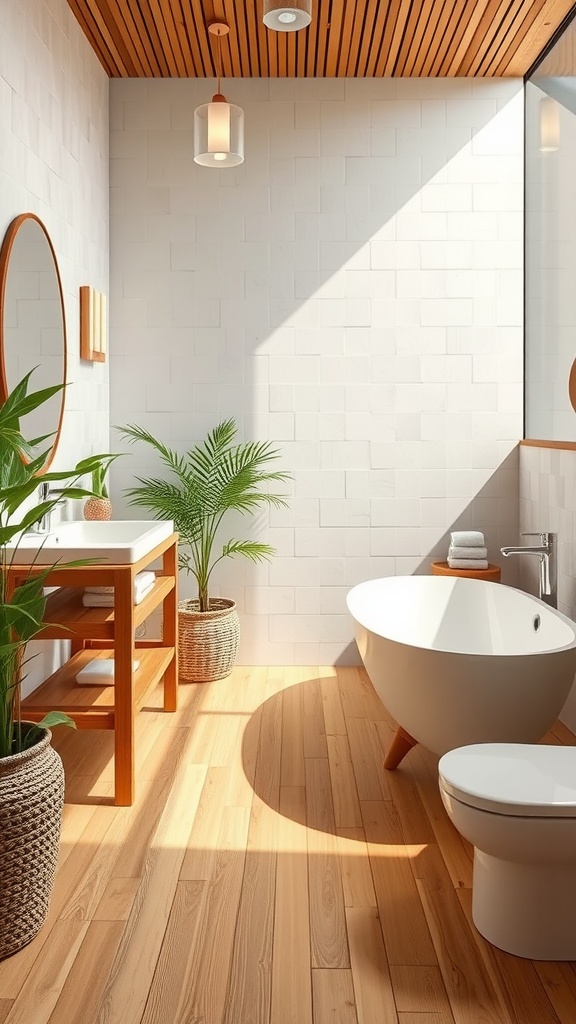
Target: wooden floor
[[270, 872]]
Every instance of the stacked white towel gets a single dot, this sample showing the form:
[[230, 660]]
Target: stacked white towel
[[467, 550], [103, 597], [100, 672]]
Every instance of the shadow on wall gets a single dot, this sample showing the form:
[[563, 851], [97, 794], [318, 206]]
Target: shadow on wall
[[351, 292], [494, 511], [285, 292]]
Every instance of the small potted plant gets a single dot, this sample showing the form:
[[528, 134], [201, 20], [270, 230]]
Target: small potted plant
[[31, 772], [98, 506], [214, 478]]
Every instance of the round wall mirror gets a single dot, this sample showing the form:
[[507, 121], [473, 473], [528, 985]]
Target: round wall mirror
[[32, 324]]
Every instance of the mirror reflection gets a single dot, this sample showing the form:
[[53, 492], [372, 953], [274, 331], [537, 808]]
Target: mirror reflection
[[550, 375], [32, 328]]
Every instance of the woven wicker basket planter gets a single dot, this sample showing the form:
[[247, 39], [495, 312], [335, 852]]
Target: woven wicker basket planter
[[31, 800], [207, 641]]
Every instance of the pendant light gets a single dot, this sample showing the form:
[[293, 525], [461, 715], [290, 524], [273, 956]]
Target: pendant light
[[287, 15], [219, 125]]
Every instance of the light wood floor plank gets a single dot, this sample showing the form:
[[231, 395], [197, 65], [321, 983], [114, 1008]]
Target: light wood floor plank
[[134, 966], [327, 913], [147, 812], [456, 851], [224, 896], [423, 1018], [313, 722], [370, 971], [268, 744], [333, 997], [292, 737], [334, 721], [406, 934], [414, 821], [291, 977], [86, 981], [50, 975], [202, 844], [559, 983], [117, 899], [366, 765], [471, 993], [351, 692], [174, 975], [421, 990], [250, 984], [357, 881], [347, 812], [207, 995]]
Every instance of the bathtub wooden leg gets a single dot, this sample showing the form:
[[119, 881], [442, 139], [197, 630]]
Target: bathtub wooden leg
[[401, 744]]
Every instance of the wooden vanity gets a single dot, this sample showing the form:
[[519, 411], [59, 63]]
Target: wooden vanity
[[109, 633]]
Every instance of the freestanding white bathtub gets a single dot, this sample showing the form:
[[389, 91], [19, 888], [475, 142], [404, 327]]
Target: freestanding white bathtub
[[458, 661]]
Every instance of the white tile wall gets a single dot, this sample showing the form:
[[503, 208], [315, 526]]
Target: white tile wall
[[54, 163], [548, 503], [351, 292]]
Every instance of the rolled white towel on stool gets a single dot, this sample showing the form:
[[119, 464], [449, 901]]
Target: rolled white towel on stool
[[467, 539], [468, 563], [460, 552]]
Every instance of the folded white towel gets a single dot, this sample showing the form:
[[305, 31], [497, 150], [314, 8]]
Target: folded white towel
[[468, 563], [99, 672], [141, 579], [460, 552], [107, 600], [467, 539]]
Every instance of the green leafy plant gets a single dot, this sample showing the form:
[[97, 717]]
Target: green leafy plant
[[22, 608], [214, 478], [98, 478]]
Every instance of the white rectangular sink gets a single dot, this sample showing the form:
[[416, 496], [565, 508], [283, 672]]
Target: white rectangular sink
[[119, 542]]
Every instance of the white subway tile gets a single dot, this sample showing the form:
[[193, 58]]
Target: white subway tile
[[361, 307]]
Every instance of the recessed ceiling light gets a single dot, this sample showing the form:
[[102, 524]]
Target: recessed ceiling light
[[287, 15]]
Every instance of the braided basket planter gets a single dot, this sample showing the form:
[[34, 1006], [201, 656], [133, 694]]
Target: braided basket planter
[[31, 800], [207, 641]]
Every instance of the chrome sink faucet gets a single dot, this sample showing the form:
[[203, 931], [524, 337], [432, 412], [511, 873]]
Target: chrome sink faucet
[[546, 551], [46, 494]]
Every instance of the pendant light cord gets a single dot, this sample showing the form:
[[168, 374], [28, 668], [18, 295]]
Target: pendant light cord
[[218, 29], [219, 65]]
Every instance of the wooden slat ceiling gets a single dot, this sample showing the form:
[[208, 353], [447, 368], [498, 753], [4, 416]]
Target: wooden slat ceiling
[[347, 38]]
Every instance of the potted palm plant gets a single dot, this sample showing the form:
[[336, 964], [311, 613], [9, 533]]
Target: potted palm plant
[[31, 773], [213, 479]]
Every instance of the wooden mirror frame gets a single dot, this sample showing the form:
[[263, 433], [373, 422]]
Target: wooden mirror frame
[[5, 253]]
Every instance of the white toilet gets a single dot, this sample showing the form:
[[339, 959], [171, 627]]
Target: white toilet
[[516, 803]]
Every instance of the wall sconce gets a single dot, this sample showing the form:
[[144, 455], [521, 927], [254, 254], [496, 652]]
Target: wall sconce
[[287, 15], [93, 330], [219, 125], [549, 125]]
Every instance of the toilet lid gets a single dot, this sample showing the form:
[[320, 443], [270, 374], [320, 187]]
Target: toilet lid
[[525, 779]]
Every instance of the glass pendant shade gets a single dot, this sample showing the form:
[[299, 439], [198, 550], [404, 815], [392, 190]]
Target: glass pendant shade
[[549, 125], [219, 133], [287, 15]]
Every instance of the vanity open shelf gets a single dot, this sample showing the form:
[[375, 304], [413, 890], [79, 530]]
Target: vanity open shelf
[[109, 633]]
